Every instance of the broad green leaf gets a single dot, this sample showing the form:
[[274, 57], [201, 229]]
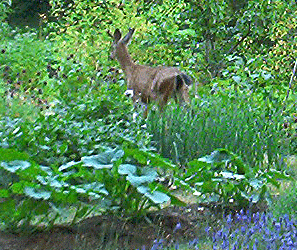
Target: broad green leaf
[[256, 183], [127, 169], [37, 193], [18, 188], [190, 32], [155, 196], [103, 160], [147, 176], [13, 166], [94, 187], [67, 165], [197, 166], [96, 161], [220, 155], [279, 175], [230, 175], [237, 79], [208, 186]]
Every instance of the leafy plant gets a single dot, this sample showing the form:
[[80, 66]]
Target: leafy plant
[[112, 182], [223, 177], [242, 123]]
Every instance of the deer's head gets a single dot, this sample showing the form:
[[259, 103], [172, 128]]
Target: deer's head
[[119, 44]]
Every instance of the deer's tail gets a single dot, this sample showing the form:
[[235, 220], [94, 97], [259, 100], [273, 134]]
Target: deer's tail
[[182, 79]]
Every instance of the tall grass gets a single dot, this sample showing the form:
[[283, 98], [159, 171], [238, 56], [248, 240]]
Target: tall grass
[[243, 124]]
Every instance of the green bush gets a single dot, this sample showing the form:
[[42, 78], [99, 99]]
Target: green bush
[[108, 182]]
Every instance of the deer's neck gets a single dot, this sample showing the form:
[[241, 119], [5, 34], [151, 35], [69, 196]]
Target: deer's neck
[[124, 59]]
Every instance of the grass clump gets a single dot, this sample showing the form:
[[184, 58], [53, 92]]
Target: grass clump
[[238, 122]]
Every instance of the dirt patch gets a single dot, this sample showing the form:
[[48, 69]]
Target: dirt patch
[[111, 232]]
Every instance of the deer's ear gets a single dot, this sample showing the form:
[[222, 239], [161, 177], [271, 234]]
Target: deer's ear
[[117, 35], [127, 38]]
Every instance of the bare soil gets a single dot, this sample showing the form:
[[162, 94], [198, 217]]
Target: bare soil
[[111, 232]]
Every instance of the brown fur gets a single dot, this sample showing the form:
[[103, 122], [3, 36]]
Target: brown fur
[[149, 83]]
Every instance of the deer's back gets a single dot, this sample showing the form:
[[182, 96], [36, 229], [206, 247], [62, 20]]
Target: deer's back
[[142, 77]]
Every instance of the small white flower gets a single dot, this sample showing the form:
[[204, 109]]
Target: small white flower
[[129, 93], [134, 117]]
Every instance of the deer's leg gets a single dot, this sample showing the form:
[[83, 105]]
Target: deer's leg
[[145, 111]]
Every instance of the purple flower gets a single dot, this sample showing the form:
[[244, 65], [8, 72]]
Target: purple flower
[[176, 247], [193, 242], [229, 219], [177, 227], [157, 245]]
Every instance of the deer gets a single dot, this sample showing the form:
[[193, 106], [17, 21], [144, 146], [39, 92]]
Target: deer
[[146, 83]]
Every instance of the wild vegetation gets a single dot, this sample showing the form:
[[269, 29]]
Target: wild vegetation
[[73, 146]]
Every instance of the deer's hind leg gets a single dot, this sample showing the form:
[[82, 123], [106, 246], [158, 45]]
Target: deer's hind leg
[[165, 92]]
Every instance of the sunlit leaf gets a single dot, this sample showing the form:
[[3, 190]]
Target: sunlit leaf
[[230, 175], [67, 165], [13, 166], [127, 169], [216, 156], [37, 193], [103, 160], [156, 196]]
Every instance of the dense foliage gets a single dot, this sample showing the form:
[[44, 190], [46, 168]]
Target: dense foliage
[[72, 143]]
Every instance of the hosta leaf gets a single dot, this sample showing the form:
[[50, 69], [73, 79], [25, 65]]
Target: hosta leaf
[[36, 193], [155, 196], [13, 166]]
